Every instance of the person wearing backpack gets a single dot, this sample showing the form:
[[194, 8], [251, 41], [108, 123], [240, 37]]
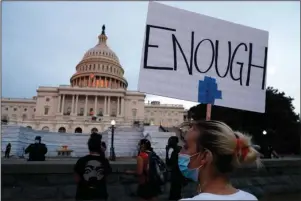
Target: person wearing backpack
[[149, 183], [91, 172]]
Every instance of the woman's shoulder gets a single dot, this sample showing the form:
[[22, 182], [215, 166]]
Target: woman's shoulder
[[143, 155]]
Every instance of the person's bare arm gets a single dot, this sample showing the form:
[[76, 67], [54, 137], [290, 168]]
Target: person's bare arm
[[139, 170], [139, 167]]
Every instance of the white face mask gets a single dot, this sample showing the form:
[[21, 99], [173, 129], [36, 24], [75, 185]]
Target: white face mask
[[37, 141]]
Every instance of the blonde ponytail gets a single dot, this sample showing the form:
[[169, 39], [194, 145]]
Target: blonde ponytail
[[245, 153]]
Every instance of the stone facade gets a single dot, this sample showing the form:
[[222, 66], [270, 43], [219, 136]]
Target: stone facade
[[23, 180], [97, 94]]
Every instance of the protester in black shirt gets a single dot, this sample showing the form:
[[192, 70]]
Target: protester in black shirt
[[91, 172], [103, 147], [7, 150], [37, 150], [176, 178]]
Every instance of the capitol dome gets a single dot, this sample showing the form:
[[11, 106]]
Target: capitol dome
[[99, 68]]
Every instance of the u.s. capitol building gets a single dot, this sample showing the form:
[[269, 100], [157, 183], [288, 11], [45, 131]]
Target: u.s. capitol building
[[96, 95]]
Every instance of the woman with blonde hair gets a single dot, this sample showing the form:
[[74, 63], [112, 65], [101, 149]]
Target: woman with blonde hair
[[212, 151]]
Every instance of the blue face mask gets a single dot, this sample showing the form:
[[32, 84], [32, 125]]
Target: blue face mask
[[183, 162]]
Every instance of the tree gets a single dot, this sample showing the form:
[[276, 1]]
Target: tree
[[280, 121]]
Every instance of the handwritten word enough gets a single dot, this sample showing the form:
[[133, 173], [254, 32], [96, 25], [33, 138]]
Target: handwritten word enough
[[214, 46]]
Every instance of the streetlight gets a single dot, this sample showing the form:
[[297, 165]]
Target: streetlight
[[264, 132], [112, 151]]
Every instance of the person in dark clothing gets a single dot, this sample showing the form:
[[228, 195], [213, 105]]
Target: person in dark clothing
[[91, 172], [103, 147], [37, 150], [176, 178], [147, 190], [271, 152], [7, 150]]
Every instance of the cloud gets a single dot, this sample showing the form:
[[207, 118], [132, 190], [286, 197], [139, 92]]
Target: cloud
[[272, 71]]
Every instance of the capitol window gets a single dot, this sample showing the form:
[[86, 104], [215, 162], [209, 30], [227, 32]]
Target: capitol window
[[6, 108], [100, 113], [114, 112], [134, 111], [46, 110], [81, 112], [15, 109], [25, 109], [47, 99]]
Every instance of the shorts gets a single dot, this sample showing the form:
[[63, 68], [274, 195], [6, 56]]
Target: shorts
[[147, 191]]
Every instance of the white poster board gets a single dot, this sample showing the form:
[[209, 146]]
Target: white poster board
[[197, 58]]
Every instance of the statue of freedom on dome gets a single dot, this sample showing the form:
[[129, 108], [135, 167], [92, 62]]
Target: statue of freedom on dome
[[103, 29]]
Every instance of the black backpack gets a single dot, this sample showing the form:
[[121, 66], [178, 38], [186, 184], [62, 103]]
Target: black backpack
[[157, 170]]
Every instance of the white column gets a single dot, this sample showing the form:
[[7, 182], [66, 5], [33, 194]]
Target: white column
[[105, 107], [122, 106], [118, 108], [59, 104], [63, 104], [72, 105], [95, 106], [109, 106], [76, 103], [86, 105]]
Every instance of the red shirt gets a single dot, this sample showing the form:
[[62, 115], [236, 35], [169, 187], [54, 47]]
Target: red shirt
[[144, 156]]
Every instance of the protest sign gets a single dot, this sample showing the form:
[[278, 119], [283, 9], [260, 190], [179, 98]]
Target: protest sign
[[198, 58]]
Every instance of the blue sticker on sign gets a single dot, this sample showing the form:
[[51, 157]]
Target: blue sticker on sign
[[208, 91]]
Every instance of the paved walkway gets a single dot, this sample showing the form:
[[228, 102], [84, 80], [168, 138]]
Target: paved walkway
[[56, 160]]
